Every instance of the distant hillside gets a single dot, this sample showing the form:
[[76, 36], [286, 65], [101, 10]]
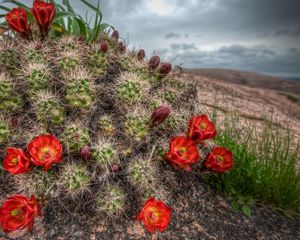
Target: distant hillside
[[248, 79]]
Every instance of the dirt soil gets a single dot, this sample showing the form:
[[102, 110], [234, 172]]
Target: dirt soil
[[198, 211]]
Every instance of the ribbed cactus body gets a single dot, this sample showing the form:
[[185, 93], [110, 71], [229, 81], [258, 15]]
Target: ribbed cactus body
[[38, 78], [5, 132], [10, 99], [106, 125], [80, 94], [75, 136], [136, 126], [111, 201], [37, 182], [49, 110], [75, 179]]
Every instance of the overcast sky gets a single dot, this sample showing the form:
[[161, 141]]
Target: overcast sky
[[256, 35]]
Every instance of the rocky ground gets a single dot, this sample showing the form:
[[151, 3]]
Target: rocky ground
[[199, 212]]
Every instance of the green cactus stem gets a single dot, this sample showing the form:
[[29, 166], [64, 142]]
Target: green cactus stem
[[111, 201], [49, 111], [80, 94], [75, 136]]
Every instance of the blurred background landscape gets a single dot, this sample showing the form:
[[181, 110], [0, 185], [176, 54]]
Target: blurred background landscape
[[250, 35]]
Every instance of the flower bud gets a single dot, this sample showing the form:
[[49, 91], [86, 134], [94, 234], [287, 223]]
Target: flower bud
[[81, 38], [141, 54], [104, 47], [165, 69], [14, 122], [115, 35], [122, 47], [85, 153], [154, 62], [159, 115], [115, 168], [38, 46]]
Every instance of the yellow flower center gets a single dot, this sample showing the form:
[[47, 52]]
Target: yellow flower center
[[15, 212], [183, 149], [14, 161], [203, 125], [46, 153], [219, 158]]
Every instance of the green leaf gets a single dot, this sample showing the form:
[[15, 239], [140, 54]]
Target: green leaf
[[5, 8], [246, 210], [62, 14], [17, 3], [96, 9]]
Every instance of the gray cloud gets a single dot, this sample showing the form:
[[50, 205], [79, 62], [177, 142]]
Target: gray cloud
[[172, 35], [250, 34], [290, 33]]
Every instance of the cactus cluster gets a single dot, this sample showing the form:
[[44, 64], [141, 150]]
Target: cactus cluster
[[97, 99]]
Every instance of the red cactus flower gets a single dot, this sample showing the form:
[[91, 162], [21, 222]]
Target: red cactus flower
[[115, 35], [18, 212], [165, 69], [219, 160], [44, 14], [155, 215], [17, 20], [16, 161], [104, 47], [141, 55], [45, 150], [159, 115], [183, 151], [201, 128], [154, 63]]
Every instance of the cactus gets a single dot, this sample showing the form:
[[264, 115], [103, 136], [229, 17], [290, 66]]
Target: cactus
[[5, 132], [97, 61], [74, 180], [105, 153], [68, 60], [99, 99], [37, 77], [75, 136], [106, 125], [80, 94], [37, 182], [137, 126], [111, 201], [131, 89], [9, 58], [10, 99], [48, 109], [142, 173]]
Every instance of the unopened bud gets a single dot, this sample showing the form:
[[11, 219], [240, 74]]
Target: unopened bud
[[14, 122], [165, 69], [81, 38], [141, 54], [122, 47], [115, 35], [85, 153], [38, 46], [154, 62], [104, 47], [159, 115], [115, 168]]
